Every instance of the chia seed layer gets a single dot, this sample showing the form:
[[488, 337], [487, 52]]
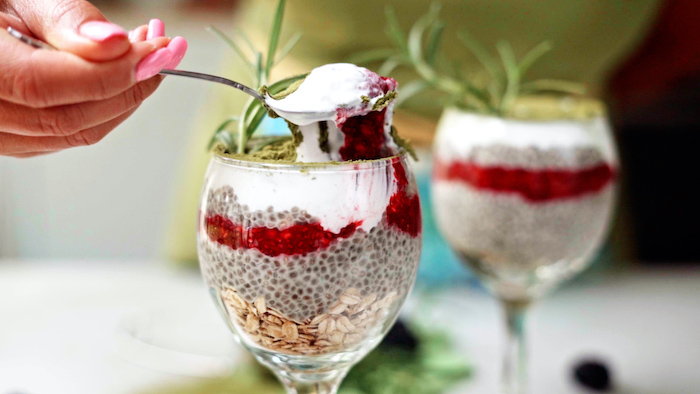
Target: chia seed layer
[[509, 230], [534, 158], [302, 286]]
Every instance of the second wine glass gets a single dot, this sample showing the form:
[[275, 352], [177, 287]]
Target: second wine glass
[[525, 204]]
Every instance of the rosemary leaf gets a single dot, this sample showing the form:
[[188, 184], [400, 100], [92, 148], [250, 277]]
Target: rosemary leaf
[[249, 114], [533, 56], [389, 66], [254, 112], [483, 100], [411, 89], [243, 124], [245, 38], [233, 46], [512, 76], [261, 75], [256, 119], [415, 37], [483, 56], [434, 39], [227, 140], [288, 47], [221, 129], [394, 28], [274, 37], [458, 71]]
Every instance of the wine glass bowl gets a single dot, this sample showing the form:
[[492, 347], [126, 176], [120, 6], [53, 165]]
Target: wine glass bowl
[[309, 263], [525, 204]]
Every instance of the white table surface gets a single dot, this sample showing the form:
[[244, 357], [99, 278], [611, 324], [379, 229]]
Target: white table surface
[[62, 329]]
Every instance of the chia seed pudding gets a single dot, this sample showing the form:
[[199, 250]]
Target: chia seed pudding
[[513, 196], [281, 273]]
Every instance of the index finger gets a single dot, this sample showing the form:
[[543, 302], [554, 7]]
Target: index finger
[[40, 78]]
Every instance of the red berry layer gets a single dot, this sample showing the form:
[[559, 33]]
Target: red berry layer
[[364, 137], [403, 211], [297, 239], [536, 185]]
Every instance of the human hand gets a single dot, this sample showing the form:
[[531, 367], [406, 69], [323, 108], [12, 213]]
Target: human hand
[[53, 100]]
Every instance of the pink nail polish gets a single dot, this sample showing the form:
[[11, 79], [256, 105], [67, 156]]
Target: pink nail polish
[[178, 46], [153, 63], [156, 28], [101, 31]]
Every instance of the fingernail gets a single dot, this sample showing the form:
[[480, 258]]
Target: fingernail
[[156, 28], [101, 31], [153, 63], [178, 46], [138, 34]]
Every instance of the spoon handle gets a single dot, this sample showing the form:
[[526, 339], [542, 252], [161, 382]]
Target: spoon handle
[[29, 40], [214, 78]]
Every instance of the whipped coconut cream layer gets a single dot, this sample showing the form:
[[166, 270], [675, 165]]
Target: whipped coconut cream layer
[[326, 99], [459, 132], [337, 198]]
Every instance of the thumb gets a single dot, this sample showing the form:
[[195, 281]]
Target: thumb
[[75, 26]]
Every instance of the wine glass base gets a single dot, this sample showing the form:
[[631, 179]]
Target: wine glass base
[[306, 365], [310, 374]]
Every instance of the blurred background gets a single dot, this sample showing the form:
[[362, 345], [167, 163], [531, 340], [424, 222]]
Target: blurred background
[[122, 212]]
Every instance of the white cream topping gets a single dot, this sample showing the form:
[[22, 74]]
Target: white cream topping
[[459, 132], [309, 150], [337, 198], [331, 94], [325, 89]]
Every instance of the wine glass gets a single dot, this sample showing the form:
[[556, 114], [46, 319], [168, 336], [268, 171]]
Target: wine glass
[[309, 263], [525, 204]]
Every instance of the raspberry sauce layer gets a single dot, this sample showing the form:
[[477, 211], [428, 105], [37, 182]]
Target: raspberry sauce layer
[[297, 239], [364, 137], [535, 185], [403, 211]]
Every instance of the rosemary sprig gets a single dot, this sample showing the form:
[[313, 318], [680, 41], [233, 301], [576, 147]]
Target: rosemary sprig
[[259, 65], [420, 50]]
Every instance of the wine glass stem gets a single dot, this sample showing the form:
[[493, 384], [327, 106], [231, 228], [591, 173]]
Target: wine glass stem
[[316, 383], [514, 379]]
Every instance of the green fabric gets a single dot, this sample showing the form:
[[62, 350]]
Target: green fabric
[[590, 37]]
